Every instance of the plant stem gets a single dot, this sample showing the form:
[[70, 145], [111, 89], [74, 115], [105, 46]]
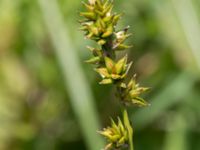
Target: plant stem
[[129, 128], [80, 94], [131, 145]]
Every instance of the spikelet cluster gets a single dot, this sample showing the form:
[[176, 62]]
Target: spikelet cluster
[[99, 24], [118, 134]]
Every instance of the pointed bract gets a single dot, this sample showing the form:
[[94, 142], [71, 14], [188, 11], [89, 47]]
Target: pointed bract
[[94, 60], [109, 64], [121, 64]]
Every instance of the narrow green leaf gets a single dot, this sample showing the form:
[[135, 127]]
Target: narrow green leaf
[[73, 74]]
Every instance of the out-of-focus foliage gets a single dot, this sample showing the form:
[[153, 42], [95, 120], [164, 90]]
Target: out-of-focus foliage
[[35, 109]]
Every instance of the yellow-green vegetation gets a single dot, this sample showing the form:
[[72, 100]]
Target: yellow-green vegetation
[[99, 24], [50, 98], [118, 134]]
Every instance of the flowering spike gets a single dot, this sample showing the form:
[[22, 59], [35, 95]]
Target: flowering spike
[[99, 25]]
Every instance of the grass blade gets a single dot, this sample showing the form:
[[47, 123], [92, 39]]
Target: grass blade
[[78, 88]]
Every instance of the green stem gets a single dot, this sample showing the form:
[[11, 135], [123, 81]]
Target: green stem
[[81, 97], [129, 128], [131, 145]]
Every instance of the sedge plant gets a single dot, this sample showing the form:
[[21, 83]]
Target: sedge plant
[[99, 25]]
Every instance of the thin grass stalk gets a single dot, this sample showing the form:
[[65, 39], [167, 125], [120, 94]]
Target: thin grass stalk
[[76, 84]]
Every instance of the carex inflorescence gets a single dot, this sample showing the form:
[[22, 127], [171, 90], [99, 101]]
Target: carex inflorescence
[[99, 25]]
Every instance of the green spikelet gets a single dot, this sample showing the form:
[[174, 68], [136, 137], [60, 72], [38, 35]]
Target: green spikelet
[[99, 25]]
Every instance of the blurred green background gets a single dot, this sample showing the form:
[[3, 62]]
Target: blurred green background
[[50, 99]]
